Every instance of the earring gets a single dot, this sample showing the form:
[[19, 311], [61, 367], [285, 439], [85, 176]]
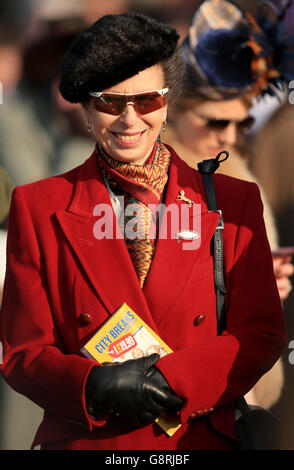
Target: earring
[[164, 126], [89, 126]]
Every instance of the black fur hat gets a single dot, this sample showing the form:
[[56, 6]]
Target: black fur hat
[[113, 49]]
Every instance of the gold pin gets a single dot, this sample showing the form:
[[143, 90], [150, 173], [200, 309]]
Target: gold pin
[[182, 197]]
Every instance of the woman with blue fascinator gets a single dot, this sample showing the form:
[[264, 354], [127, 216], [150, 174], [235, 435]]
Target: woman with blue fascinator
[[232, 58], [73, 261]]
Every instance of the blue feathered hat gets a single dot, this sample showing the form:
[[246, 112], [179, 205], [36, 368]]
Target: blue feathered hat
[[229, 53]]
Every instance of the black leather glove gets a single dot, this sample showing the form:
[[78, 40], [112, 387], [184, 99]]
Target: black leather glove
[[125, 389], [158, 379]]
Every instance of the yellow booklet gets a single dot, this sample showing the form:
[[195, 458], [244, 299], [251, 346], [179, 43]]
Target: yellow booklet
[[126, 336]]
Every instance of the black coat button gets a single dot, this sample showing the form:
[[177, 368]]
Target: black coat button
[[199, 319], [85, 319]]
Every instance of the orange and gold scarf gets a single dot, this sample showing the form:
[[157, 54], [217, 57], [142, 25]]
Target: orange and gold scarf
[[141, 186]]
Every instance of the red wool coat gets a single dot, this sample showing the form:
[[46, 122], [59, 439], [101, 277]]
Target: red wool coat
[[62, 284]]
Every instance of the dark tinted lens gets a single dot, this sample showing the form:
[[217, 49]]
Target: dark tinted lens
[[218, 124], [148, 102], [110, 104], [246, 124], [221, 124]]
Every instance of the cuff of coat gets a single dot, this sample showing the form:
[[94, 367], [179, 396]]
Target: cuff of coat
[[188, 412], [91, 421]]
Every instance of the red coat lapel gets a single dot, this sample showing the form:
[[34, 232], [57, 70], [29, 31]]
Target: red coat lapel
[[172, 265], [106, 262]]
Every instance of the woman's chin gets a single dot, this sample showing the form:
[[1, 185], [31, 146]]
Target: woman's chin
[[129, 157]]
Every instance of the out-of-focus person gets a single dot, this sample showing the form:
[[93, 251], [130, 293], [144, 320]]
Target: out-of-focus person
[[273, 164], [47, 131], [229, 62]]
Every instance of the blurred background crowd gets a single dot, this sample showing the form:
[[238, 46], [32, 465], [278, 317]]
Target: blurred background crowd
[[41, 135]]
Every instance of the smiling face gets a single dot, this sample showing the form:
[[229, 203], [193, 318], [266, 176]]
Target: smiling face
[[130, 137], [193, 130]]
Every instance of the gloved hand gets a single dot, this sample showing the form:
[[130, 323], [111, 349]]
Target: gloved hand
[[125, 389], [158, 379]]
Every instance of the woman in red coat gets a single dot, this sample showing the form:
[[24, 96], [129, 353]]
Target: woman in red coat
[[69, 269]]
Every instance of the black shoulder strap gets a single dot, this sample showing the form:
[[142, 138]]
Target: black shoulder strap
[[207, 168]]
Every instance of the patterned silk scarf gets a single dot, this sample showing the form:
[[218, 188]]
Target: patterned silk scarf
[[142, 187]]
